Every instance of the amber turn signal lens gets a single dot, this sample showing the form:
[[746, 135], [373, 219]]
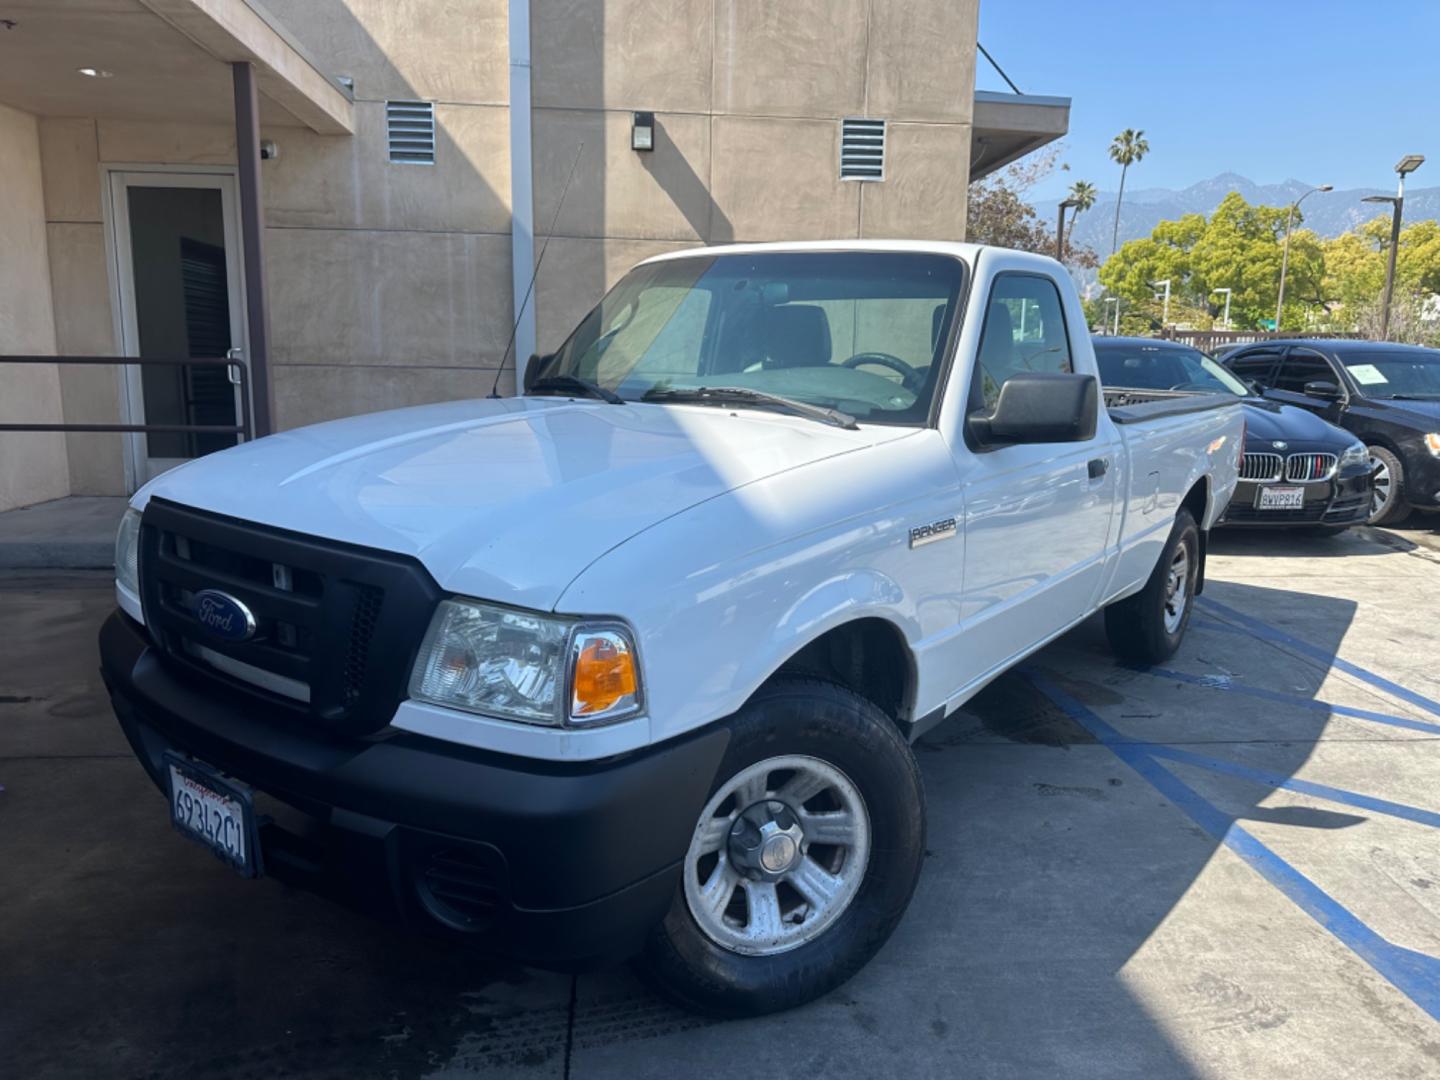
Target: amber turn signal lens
[[605, 680]]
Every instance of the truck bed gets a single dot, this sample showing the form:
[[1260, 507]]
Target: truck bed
[[1135, 406]]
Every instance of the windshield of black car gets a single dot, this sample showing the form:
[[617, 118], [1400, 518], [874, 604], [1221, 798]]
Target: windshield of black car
[[860, 331], [1403, 372], [1162, 367]]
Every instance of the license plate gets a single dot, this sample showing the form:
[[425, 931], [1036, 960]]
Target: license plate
[[214, 812], [1282, 498]]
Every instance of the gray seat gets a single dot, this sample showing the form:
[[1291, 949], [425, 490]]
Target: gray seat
[[792, 336]]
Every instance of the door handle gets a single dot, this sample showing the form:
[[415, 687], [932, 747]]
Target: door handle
[[1097, 467]]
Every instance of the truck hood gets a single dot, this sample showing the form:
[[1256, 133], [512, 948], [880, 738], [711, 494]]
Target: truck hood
[[504, 499]]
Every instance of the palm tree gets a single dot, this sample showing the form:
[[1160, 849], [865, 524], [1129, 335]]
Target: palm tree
[[1082, 196], [1127, 149]]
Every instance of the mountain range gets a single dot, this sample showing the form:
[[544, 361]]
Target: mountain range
[[1329, 213]]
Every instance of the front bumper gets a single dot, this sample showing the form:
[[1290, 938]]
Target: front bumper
[[562, 865], [1342, 500]]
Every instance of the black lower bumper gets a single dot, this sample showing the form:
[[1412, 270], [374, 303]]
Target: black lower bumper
[[563, 865], [1344, 500]]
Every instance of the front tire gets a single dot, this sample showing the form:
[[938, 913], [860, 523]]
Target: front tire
[[1148, 627], [1387, 501], [802, 862]]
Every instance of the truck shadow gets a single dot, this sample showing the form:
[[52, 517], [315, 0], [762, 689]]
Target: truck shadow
[[1053, 870]]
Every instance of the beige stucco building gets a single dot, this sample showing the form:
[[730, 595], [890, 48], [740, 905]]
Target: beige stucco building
[[414, 155]]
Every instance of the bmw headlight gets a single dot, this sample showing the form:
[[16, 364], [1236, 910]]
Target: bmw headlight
[[1355, 454], [522, 665], [127, 553]]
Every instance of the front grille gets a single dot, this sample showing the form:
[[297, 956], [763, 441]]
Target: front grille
[[1243, 514], [336, 625], [1261, 467], [1309, 468]]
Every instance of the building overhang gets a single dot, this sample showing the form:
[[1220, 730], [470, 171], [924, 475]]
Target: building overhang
[[164, 60], [1008, 126]]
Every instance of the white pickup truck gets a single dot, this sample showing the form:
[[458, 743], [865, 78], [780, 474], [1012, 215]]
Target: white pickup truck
[[630, 664]]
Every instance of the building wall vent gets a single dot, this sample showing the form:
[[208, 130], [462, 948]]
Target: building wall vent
[[410, 127], [862, 149]]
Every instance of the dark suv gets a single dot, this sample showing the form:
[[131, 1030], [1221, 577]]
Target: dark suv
[[1387, 395]]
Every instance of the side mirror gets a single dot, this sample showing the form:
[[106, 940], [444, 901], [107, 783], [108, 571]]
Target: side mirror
[[1323, 388], [1039, 407]]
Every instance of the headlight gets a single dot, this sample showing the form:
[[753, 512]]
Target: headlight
[[1432, 443], [1355, 454], [521, 665], [127, 553]]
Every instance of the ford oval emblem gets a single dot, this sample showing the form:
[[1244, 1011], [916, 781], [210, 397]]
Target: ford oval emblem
[[223, 615]]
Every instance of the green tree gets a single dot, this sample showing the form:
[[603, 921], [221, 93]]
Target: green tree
[[999, 215], [1127, 149], [1083, 195]]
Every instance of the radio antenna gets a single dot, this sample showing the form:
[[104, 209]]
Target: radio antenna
[[520, 312]]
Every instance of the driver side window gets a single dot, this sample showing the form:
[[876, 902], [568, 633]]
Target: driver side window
[[1024, 331]]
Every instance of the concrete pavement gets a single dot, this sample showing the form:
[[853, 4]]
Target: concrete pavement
[[1224, 868]]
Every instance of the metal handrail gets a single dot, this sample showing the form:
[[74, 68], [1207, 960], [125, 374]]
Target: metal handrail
[[235, 368]]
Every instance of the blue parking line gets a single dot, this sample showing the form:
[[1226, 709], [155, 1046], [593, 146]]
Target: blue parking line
[[1304, 787], [1270, 633], [1414, 974], [1314, 704]]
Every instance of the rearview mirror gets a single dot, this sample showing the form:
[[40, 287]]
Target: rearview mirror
[[1322, 388], [1039, 407]]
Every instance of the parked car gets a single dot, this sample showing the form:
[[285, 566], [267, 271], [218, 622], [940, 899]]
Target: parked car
[[1298, 469], [1387, 395], [631, 664]]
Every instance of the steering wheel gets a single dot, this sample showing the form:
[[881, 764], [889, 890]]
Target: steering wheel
[[912, 379]]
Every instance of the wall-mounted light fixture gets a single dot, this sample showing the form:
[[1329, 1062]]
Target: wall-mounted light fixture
[[95, 73], [642, 131], [268, 150]]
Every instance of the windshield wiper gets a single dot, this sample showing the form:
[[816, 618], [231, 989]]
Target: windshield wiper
[[742, 395], [1412, 397], [574, 383]]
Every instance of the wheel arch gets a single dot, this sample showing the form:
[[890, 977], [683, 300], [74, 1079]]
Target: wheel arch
[[1197, 501], [868, 655]]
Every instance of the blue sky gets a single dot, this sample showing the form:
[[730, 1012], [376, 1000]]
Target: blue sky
[[1324, 91]]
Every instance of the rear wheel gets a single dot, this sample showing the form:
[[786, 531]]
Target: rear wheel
[[1149, 626], [803, 860], [1387, 495]]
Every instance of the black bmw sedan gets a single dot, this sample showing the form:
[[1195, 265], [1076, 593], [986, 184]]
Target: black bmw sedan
[[1387, 395], [1297, 470]]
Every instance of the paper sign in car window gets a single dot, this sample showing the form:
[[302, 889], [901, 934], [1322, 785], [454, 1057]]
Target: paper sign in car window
[[1366, 374]]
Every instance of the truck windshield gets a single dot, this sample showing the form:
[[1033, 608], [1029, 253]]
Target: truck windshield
[[859, 331], [1402, 373], [1137, 366]]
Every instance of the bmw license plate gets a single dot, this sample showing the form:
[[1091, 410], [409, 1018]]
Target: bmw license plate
[[214, 812], [1281, 498]]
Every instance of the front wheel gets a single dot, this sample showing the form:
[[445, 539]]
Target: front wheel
[[1387, 491], [803, 860], [1148, 627]]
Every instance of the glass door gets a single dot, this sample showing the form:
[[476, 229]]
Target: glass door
[[177, 255]]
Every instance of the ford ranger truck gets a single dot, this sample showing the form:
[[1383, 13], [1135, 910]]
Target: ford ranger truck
[[630, 665]]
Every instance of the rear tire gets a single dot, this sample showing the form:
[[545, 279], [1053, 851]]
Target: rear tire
[[1148, 627], [1388, 503], [728, 946]]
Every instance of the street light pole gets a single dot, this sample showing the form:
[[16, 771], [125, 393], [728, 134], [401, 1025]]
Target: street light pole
[[1285, 257], [1227, 305], [1116, 301], [1060, 229], [1408, 164], [1165, 314]]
